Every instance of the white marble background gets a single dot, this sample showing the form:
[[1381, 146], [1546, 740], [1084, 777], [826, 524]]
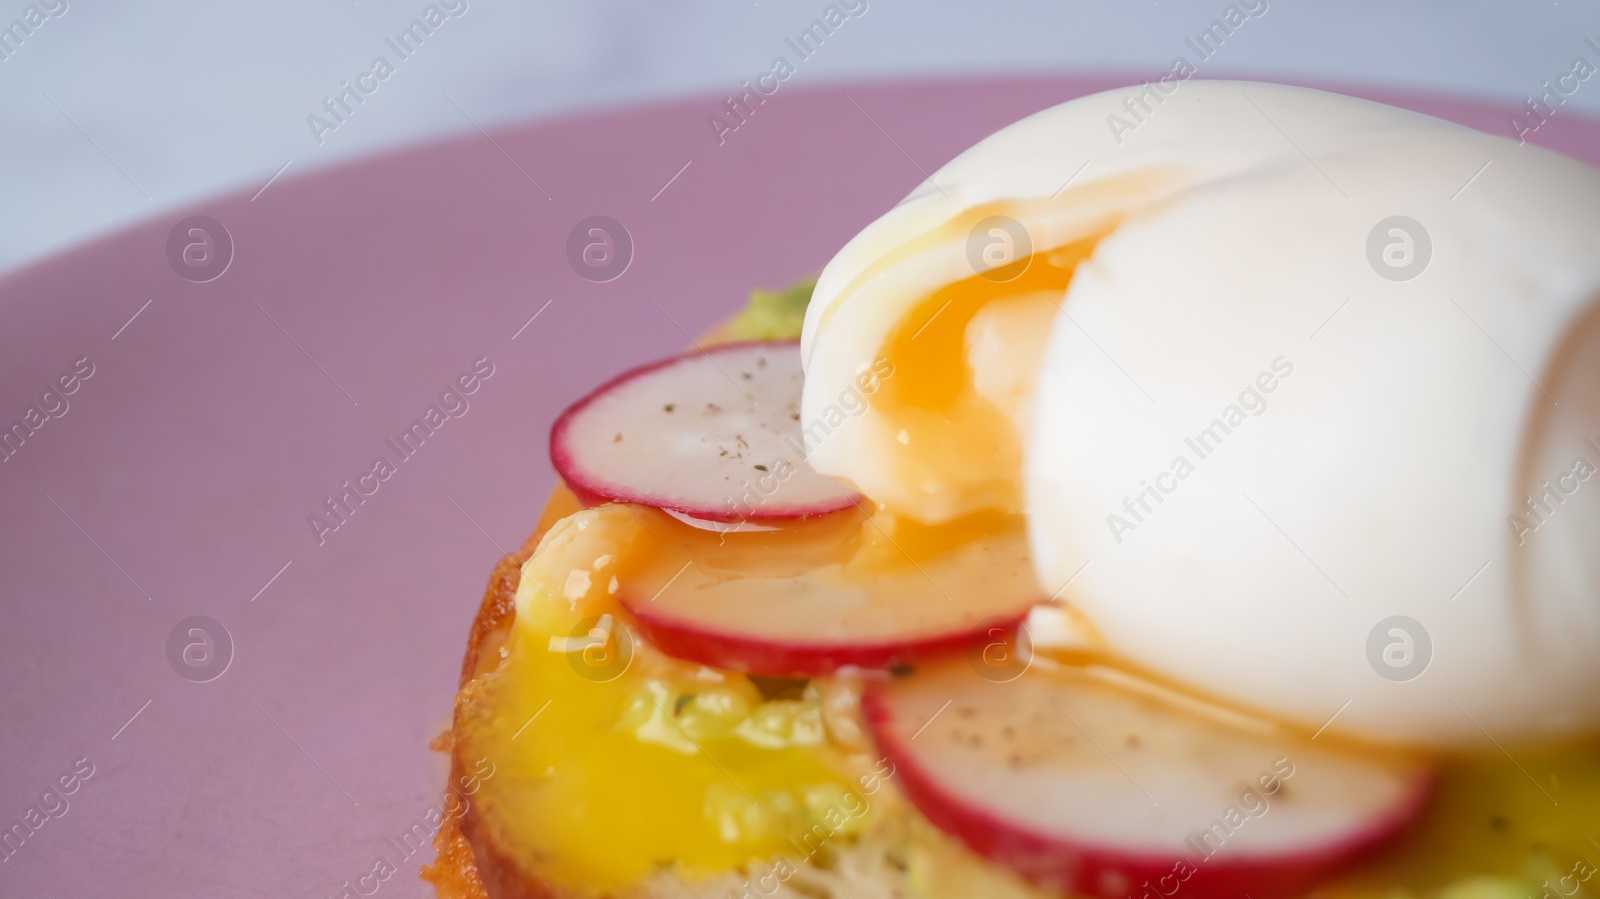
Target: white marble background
[[114, 111]]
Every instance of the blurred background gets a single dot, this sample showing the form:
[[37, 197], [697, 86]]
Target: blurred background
[[115, 112]]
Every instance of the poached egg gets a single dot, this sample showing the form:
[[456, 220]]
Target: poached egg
[[1300, 395]]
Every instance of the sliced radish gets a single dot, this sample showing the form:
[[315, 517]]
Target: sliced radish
[[1084, 784], [713, 434], [781, 605]]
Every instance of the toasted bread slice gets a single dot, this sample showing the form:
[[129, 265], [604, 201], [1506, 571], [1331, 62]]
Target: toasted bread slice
[[457, 873]]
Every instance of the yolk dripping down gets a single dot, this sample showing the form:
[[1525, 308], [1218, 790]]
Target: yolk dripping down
[[953, 438]]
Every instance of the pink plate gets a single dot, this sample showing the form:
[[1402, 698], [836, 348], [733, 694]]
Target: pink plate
[[277, 745]]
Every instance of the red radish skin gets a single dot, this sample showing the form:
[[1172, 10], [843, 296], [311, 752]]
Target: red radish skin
[[700, 482], [775, 658], [1071, 865], [827, 594], [587, 499]]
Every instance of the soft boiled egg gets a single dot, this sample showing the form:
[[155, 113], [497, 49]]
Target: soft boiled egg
[[1300, 395]]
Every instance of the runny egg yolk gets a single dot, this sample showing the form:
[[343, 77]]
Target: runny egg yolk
[[613, 761], [945, 420], [951, 415]]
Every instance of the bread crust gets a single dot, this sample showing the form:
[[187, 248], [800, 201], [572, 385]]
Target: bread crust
[[469, 865]]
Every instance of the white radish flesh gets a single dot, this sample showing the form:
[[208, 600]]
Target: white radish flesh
[[818, 597], [713, 434], [1082, 784]]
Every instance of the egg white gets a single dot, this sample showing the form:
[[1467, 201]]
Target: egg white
[[1383, 476]]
